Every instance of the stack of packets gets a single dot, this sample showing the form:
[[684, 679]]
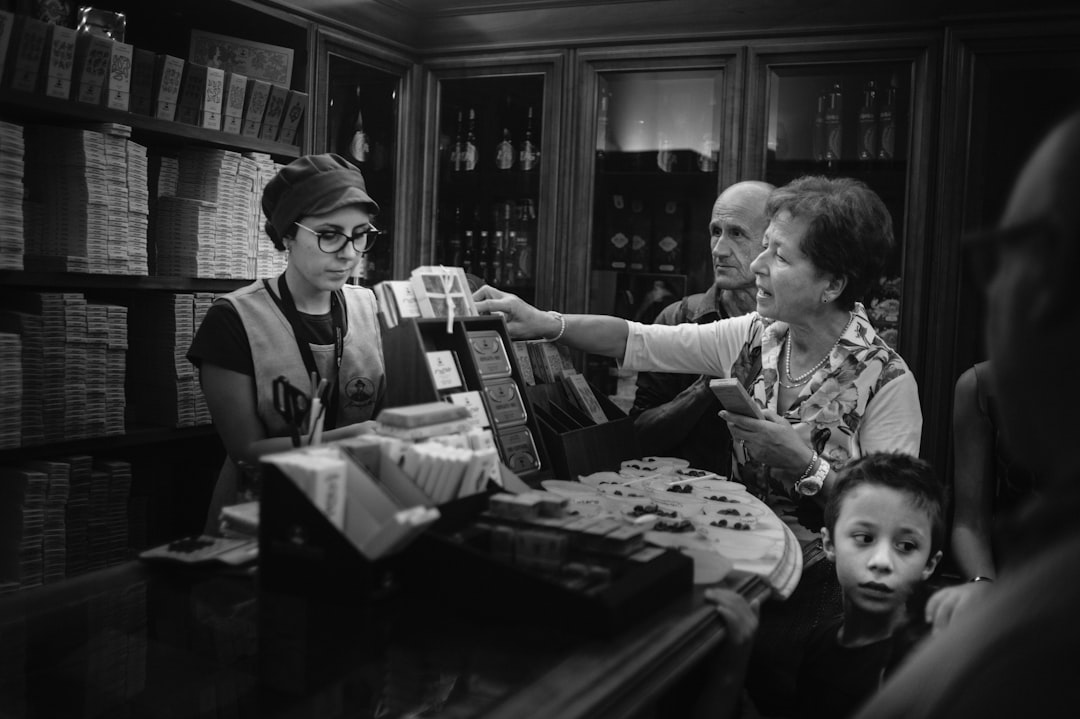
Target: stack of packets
[[441, 447]]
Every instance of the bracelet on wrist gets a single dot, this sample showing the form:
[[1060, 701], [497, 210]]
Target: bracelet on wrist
[[562, 328], [981, 578], [810, 467]]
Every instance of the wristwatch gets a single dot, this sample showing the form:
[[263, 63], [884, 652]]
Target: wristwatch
[[810, 485]]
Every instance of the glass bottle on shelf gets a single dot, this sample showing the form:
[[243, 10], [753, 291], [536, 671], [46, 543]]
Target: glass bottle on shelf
[[834, 127], [510, 260], [467, 252], [504, 148], [495, 263], [868, 129], [530, 152], [602, 129], [886, 120], [707, 159], [482, 266], [819, 137], [457, 153], [471, 149], [358, 146]]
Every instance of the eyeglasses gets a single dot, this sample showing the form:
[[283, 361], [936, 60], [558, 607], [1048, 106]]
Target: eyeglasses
[[332, 241], [982, 250]]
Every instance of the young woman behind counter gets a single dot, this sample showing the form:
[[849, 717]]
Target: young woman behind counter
[[305, 323]]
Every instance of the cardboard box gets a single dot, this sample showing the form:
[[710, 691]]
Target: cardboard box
[[60, 62], [232, 104], [167, 78], [28, 45], [93, 58], [258, 92], [275, 110], [118, 86]]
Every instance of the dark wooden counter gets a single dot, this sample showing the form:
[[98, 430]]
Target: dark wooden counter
[[164, 641]]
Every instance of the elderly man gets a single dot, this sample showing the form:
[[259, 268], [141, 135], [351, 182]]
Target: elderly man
[[1014, 653], [677, 414]]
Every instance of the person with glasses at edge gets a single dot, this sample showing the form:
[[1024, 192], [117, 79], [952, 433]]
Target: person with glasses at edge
[[307, 320]]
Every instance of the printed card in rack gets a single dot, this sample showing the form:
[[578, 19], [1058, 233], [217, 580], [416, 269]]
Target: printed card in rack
[[438, 289]]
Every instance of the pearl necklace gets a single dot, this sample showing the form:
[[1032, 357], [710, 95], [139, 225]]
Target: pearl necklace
[[802, 379]]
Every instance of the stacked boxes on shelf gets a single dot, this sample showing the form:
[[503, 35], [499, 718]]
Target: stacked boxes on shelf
[[12, 238], [72, 362], [207, 222], [91, 197], [70, 517]]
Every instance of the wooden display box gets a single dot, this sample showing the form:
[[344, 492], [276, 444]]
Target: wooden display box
[[409, 378], [589, 449]]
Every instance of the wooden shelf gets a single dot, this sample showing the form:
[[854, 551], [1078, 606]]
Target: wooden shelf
[[134, 437], [35, 109], [83, 281]]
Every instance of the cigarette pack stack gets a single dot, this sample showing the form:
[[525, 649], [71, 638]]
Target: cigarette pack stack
[[97, 345], [31, 550], [119, 486], [201, 303], [75, 370], [97, 528], [138, 209], [267, 261], [25, 324], [11, 389], [92, 188], [77, 516], [115, 368], [54, 527], [12, 237]]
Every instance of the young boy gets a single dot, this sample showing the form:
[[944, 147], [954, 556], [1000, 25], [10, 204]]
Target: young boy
[[884, 528]]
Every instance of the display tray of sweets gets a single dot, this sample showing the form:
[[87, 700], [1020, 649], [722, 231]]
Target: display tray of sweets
[[523, 557], [710, 518]]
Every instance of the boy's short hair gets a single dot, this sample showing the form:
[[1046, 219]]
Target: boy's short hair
[[899, 471]]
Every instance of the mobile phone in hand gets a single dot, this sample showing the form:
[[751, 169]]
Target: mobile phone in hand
[[735, 398]]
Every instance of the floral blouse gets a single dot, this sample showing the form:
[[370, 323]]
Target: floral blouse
[[863, 400]]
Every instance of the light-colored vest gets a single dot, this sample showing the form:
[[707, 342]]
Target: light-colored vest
[[361, 379]]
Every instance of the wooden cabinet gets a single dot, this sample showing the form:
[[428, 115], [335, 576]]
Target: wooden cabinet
[[1004, 86]]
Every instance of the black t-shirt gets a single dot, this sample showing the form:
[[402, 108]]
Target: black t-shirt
[[834, 681], [221, 339]]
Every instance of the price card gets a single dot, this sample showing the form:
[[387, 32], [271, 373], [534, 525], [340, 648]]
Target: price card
[[444, 369]]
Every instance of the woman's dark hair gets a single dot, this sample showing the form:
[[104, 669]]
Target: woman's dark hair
[[902, 472], [850, 232]]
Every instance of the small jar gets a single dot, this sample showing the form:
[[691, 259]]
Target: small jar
[[105, 23]]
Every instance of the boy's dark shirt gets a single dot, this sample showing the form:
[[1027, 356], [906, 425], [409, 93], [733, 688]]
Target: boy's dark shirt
[[834, 681], [688, 426]]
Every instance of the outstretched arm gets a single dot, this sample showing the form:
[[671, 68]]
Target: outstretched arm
[[597, 334]]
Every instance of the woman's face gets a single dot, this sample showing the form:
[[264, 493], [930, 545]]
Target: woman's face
[[789, 285], [323, 271]]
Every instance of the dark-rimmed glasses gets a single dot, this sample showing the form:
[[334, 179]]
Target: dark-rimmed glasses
[[982, 250], [332, 241]]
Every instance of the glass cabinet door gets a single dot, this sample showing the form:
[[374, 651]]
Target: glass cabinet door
[[360, 97], [491, 159], [489, 179], [854, 113], [656, 156]]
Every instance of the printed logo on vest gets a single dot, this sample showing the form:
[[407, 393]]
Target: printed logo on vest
[[360, 391]]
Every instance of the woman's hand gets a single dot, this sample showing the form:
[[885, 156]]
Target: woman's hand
[[523, 321], [950, 602], [772, 441]]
